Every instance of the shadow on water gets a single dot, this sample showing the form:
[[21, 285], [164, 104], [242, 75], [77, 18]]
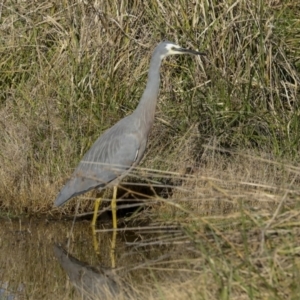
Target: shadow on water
[[28, 258], [92, 282]]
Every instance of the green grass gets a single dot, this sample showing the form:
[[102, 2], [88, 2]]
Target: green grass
[[70, 70], [226, 134]]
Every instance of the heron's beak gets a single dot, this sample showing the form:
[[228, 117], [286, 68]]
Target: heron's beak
[[183, 50]]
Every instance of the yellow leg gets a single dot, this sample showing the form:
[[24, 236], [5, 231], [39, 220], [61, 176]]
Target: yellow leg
[[95, 215], [114, 234], [114, 207]]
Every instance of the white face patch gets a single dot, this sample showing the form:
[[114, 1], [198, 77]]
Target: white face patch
[[171, 48]]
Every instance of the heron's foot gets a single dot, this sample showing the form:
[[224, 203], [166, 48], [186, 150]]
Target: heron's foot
[[114, 233], [93, 225], [95, 243], [113, 249]]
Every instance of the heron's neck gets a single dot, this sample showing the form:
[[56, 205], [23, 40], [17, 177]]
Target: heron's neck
[[147, 104]]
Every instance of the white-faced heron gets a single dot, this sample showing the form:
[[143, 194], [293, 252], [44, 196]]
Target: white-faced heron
[[122, 146]]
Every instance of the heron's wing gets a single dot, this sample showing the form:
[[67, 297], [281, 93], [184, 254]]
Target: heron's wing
[[111, 156]]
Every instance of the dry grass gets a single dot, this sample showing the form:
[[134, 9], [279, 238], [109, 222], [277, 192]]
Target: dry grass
[[70, 70], [223, 156]]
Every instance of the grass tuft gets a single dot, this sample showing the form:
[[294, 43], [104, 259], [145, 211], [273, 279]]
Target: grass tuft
[[223, 155]]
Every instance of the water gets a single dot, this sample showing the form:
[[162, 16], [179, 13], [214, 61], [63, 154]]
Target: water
[[27, 257]]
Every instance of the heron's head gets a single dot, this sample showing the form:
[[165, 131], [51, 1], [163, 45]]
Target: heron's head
[[167, 48]]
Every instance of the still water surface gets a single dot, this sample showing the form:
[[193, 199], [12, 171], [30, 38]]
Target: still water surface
[[28, 264]]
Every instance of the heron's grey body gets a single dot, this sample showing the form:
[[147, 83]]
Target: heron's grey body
[[122, 146]]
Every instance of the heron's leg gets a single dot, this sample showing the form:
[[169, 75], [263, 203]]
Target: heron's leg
[[114, 234], [95, 215], [114, 207], [112, 249]]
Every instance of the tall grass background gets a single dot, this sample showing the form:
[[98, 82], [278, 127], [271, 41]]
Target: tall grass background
[[226, 136], [71, 69]]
